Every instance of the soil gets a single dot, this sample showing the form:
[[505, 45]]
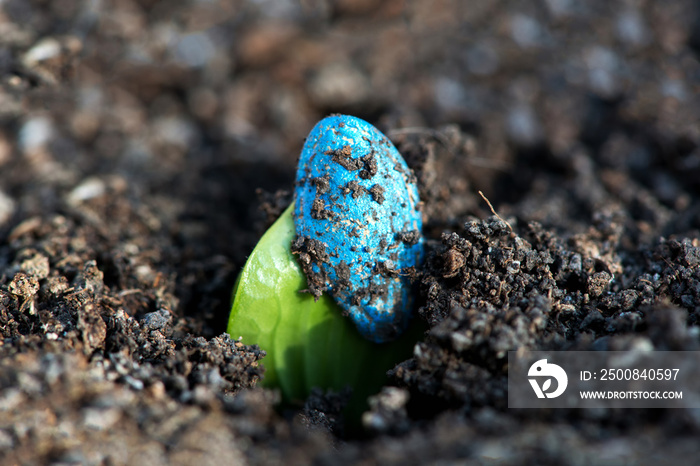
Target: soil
[[145, 145]]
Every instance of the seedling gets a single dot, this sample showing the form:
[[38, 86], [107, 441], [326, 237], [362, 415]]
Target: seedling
[[351, 240]]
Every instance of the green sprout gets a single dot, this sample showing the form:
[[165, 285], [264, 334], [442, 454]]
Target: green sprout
[[309, 343]]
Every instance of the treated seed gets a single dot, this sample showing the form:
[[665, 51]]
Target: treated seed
[[358, 224]]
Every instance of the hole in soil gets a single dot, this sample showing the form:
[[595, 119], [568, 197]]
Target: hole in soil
[[576, 281]]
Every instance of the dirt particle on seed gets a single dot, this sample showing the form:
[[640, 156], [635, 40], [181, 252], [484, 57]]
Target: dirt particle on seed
[[319, 211], [377, 193], [343, 157], [342, 271], [312, 252], [387, 268], [410, 237], [370, 166], [355, 188], [322, 184]]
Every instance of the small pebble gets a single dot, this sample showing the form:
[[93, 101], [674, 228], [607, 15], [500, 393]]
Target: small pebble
[[156, 320]]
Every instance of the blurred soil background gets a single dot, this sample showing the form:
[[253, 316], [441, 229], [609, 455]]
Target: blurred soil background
[[145, 145]]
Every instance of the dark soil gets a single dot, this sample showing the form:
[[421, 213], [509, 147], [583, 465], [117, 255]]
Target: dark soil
[[145, 146]]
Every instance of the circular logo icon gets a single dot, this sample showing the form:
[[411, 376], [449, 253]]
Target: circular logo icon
[[546, 372]]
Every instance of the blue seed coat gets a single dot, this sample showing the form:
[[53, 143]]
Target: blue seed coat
[[358, 224]]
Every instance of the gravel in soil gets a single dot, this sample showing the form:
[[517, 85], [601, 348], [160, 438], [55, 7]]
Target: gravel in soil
[[145, 146]]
